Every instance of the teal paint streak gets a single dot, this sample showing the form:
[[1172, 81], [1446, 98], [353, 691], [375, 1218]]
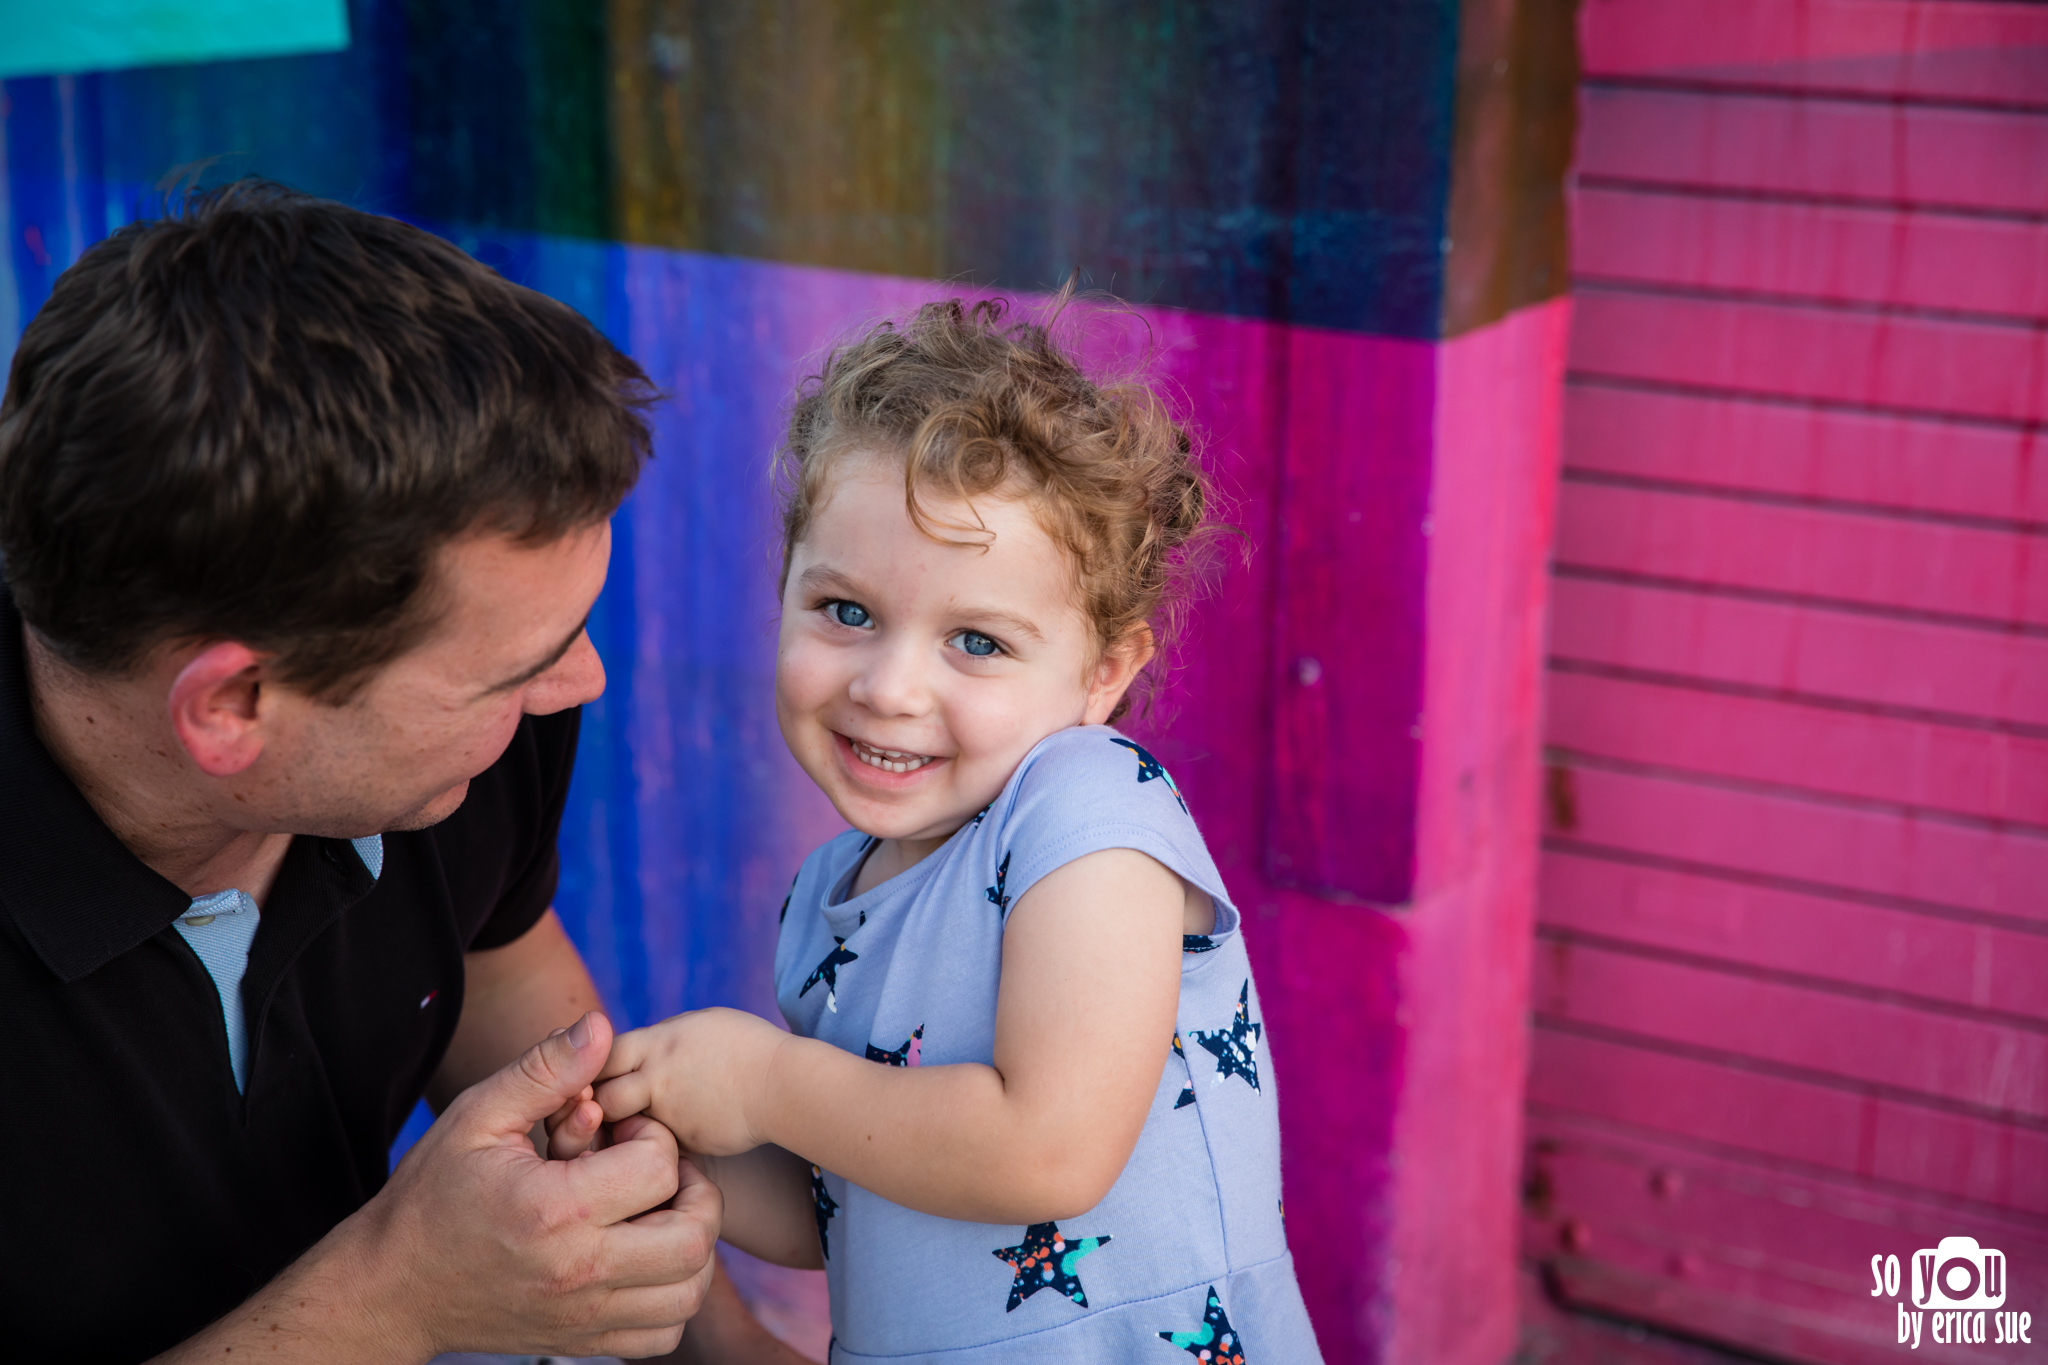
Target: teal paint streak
[[45, 38], [1201, 1336]]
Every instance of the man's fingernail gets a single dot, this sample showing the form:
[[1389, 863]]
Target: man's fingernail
[[579, 1033]]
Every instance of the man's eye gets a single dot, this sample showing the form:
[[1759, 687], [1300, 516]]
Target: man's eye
[[975, 643], [847, 613]]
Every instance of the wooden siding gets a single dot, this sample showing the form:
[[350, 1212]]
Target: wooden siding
[[1791, 978]]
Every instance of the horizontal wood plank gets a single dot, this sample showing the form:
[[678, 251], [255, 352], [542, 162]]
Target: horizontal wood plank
[[1756, 1324], [1816, 652], [1989, 774], [1995, 576], [1996, 371], [1776, 929], [1784, 1120], [1994, 1065], [1833, 252], [1823, 846], [1737, 1252], [1944, 1057], [1817, 148], [1964, 468], [1658, 38]]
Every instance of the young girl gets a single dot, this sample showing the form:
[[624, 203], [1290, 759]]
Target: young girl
[[1022, 1111]]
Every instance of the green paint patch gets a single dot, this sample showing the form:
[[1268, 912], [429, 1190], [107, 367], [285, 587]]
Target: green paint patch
[[55, 37]]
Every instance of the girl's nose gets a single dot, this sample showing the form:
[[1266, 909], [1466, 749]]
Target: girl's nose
[[893, 682]]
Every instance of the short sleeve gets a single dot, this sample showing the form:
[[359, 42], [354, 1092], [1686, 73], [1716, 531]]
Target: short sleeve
[[533, 781], [1090, 788]]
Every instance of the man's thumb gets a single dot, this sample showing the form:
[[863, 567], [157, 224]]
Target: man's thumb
[[543, 1078]]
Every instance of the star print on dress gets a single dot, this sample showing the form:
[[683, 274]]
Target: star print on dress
[[1149, 768], [983, 811], [1214, 1341], [828, 972], [1187, 1094], [996, 894], [1197, 943], [1235, 1046], [902, 1056], [824, 1205], [1047, 1260]]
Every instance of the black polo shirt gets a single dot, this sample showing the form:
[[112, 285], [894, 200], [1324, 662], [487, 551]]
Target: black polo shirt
[[145, 1197]]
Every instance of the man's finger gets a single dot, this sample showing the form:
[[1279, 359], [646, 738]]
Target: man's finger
[[671, 1245], [637, 1172], [544, 1078]]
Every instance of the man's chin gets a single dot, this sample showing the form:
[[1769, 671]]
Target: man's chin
[[431, 812]]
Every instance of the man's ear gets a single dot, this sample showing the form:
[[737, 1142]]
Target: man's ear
[[1115, 672], [214, 706]]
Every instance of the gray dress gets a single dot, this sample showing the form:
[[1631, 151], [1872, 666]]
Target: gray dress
[[1186, 1257]]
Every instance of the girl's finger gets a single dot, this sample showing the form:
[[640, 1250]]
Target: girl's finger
[[624, 1095], [576, 1132]]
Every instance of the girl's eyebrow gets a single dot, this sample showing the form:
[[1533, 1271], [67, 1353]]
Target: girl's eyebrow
[[1009, 623], [820, 576]]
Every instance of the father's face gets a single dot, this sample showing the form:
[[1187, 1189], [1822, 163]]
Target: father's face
[[400, 754]]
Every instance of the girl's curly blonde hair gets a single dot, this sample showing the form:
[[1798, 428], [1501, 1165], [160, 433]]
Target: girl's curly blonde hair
[[978, 405]]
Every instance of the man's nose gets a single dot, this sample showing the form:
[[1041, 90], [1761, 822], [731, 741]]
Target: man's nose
[[576, 680]]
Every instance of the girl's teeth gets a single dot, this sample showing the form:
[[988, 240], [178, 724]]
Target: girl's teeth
[[889, 760]]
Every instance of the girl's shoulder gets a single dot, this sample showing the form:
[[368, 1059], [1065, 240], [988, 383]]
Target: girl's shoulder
[[1088, 788], [1096, 766]]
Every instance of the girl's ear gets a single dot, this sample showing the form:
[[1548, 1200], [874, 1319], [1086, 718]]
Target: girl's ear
[[1115, 672]]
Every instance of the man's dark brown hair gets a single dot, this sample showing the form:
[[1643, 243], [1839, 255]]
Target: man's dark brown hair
[[259, 417]]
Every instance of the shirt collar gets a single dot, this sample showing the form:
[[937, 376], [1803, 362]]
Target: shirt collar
[[74, 890]]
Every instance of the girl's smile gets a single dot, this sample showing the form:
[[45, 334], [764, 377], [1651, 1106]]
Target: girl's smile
[[883, 764]]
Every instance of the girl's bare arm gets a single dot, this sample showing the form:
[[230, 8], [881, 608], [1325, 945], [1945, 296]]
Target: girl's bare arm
[[1084, 1024]]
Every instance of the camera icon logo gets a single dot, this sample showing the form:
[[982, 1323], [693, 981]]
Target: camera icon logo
[[1958, 1274]]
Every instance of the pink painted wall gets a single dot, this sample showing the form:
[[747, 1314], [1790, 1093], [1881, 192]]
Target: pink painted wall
[[1465, 968], [1399, 1031], [1791, 970]]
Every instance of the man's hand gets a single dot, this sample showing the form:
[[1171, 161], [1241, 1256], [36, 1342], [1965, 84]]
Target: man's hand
[[569, 1258], [478, 1244]]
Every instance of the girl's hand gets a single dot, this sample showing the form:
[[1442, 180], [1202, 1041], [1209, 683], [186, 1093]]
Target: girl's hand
[[700, 1074]]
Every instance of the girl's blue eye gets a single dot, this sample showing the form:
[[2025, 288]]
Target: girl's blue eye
[[847, 613], [975, 643]]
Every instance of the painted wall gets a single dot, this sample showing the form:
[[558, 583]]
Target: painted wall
[[1792, 955], [1343, 227]]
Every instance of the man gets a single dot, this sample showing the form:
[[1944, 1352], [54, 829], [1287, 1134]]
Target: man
[[301, 515]]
